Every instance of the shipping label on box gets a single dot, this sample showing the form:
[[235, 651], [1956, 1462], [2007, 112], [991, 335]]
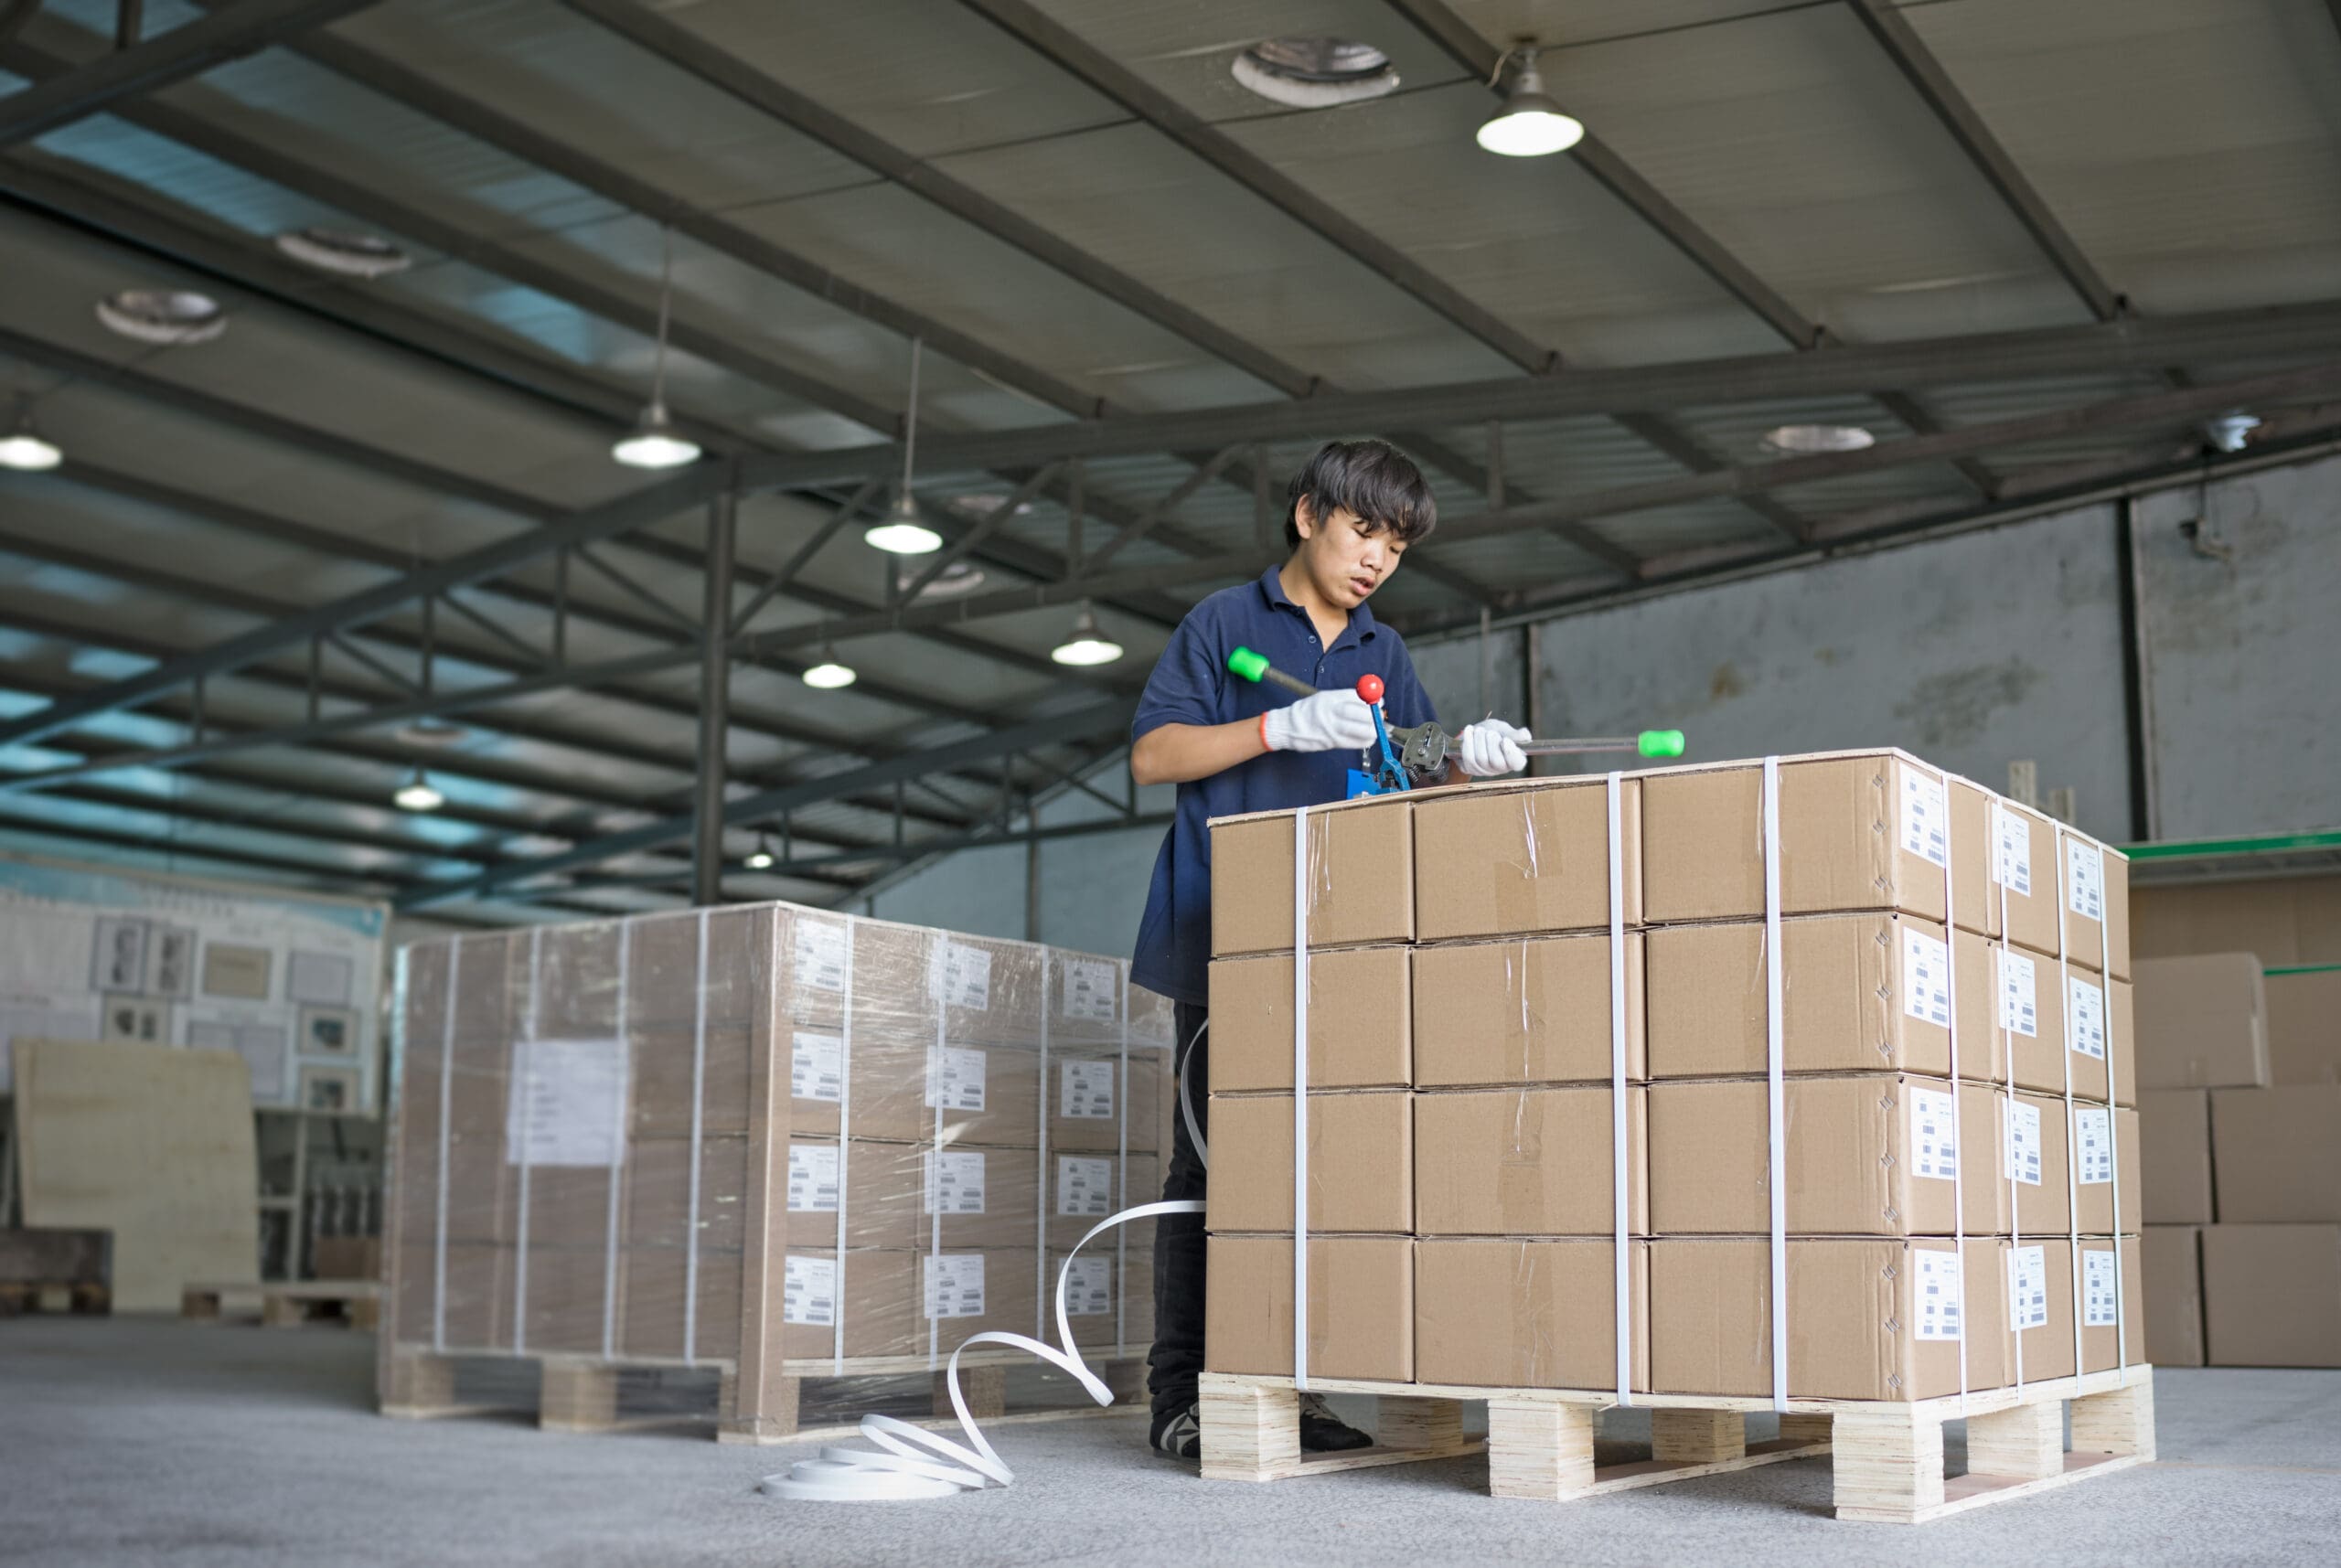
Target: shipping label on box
[[810, 1291], [1087, 1090], [2028, 1287], [959, 976], [1089, 1287], [2098, 1290], [2085, 879], [1934, 1135], [1926, 977], [1939, 1293], [2094, 1136], [954, 1077], [1925, 816], [820, 954], [817, 1066], [2024, 1141], [954, 1181], [2012, 850], [955, 1285], [2087, 1010], [1085, 1187], [812, 1179], [568, 1104], [1090, 989], [2019, 994]]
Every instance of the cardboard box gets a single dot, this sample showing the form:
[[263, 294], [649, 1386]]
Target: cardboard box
[[2097, 887], [1360, 877], [1525, 857], [2202, 1022], [1860, 1325], [1846, 824], [1860, 993], [2174, 1149], [1087, 1086], [1863, 1158], [1086, 1186], [2172, 1259], [2097, 1160], [1534, 1010], [1527, 1162], [1109, 1299], [2101, 1037], [2278, 1153], [2305, 1025], [346, 1257], [2271, 1295], [1361, 1162], [1528, 1314], [2036, 1281], [2287, 921], [1361, 1307], [1361, 1020], [2102, 1302], [879, 1312], [984, 1093], [2022, 881]]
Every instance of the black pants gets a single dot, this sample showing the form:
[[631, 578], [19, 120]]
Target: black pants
[[1178, 1355]]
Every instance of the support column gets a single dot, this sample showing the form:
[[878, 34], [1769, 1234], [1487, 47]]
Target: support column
[[714, 703]]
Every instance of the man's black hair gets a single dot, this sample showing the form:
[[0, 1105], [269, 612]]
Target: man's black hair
[[1371, 479]]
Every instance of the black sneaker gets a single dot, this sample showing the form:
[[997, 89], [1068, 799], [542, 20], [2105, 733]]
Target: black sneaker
[[1322, 1431], [1178, 1433]]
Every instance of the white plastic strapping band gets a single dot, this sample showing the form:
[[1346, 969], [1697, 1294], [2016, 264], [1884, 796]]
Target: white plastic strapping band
[[845, 1109], [617, 1142], [2072, 1184], [1958, 1170], [2007, 1110], [513, 1086], [1775, 1137], [447, 1100], [2112, 1112], [1623, 1278], [1041, 1198], [1121, 1162], [699, 1116], [1301, 1099]]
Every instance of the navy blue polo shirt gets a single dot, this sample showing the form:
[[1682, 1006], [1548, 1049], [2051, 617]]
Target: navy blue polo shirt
[[1192, 685]]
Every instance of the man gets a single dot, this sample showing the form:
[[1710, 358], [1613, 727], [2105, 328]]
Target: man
[[1231, 745]]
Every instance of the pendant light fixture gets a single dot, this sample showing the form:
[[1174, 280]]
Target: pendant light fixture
[[1086, 645], [24, 450], [653, 441], [1529, 124], [760, 860], [418, 794], [903, 531], [829, 675]]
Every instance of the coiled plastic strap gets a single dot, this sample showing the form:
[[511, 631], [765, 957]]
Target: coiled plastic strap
[[916, 1462]]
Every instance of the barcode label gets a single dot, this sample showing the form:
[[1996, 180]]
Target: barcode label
[[959, 976], [1934, 1135], [820, 954], [1085, 1090], [2028, 1287], [2012, 850], [955, 1079], [2019, 994], [809, 1291], [1090, 989], [955, 1285], [1089, 1287], [817, 1066], [955, 1181], [813, 1177], [1926, 978], [1925, 818], [1939, 1288], [2024, 1141], [1085, 1187], [2093, 1144], [2085, 878], [2098, 1290], [2087, 1006]]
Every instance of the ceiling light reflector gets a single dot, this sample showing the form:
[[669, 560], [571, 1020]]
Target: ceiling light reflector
[[176, 318], [1529, 124], [1087, 646], [1807, 439]]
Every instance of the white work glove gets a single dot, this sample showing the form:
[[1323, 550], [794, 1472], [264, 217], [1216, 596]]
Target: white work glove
[[1489, 748], [1329, 722]]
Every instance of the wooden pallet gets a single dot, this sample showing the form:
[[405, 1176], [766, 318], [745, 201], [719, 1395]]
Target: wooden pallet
[[84, 1298], [1887, 1459], [580, 1393], [356, 1303], [56, 1271]]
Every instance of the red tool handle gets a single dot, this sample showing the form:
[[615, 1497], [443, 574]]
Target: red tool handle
[[1369, 687]]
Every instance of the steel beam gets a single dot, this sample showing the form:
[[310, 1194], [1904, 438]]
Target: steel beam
[[948, 844], [186, 50], [715, 703]]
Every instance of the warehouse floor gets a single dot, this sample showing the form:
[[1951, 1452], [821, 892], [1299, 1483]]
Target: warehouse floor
[[134, 1441]]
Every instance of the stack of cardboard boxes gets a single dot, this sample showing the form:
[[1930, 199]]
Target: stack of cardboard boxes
[[649, 1139], [2241, 1098], [1466, 1066]]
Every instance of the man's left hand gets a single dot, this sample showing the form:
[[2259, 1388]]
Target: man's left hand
[[1490, 747]]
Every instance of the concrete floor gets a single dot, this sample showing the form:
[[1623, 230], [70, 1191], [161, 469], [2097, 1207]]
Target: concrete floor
[[151, 1441]]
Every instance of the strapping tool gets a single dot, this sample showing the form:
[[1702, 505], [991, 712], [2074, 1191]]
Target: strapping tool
[[1416, 756]]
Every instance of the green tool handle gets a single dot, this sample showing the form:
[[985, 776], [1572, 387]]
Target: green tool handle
[[1255, 667]]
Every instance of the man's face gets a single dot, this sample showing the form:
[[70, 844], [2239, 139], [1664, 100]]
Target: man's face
[[1345, 556]]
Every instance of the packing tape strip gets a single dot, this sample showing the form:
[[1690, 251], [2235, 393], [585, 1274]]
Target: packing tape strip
[[2073, 1187], [1121, 1152], [1300, 1099], [1773, 1087], [1958, 1142], [1622, 1278], [446, 1100], [1040, 1122], [914, 1462], [2005, 1028], [2113, 1109], [520, 1092], [844, 1119], [698, 1114], [624, 1099]]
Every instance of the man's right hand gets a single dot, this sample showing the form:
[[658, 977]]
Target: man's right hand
[[1329, 722]]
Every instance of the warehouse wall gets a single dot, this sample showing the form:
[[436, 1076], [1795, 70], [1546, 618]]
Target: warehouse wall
[[1974, 651]]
